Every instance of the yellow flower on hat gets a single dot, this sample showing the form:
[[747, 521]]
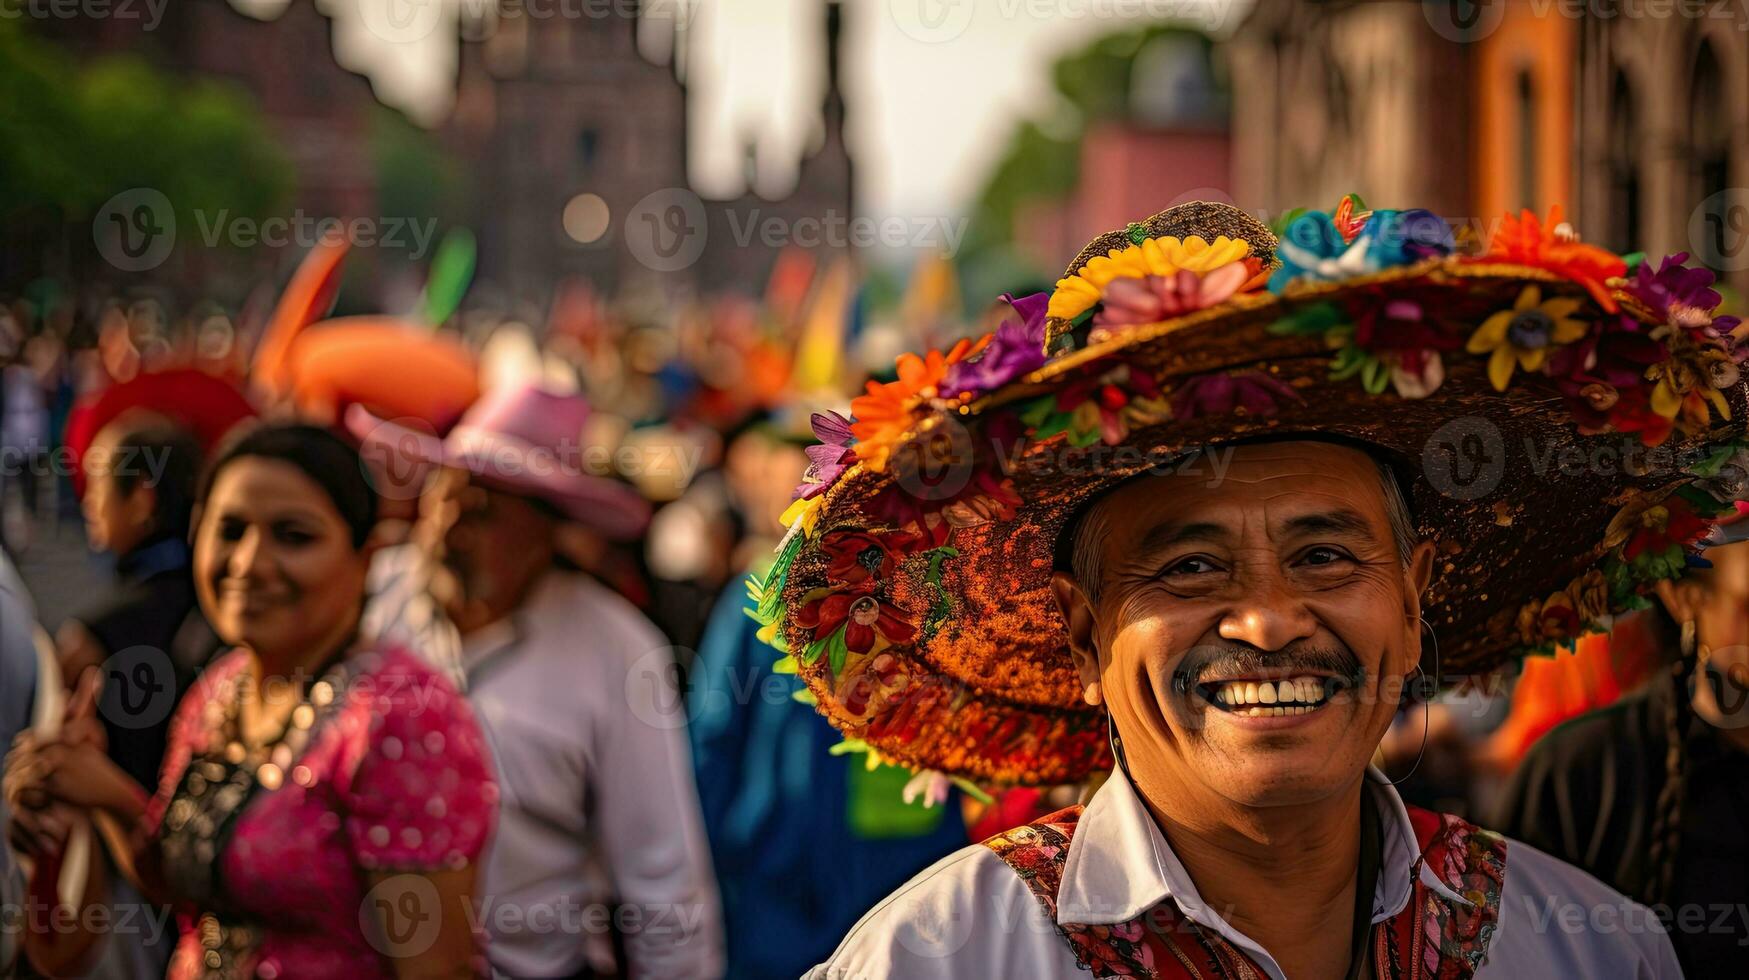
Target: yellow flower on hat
[[1523, 336], [1164, 256]]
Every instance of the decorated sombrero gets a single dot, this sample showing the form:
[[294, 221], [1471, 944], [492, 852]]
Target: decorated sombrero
[[1567, 423]]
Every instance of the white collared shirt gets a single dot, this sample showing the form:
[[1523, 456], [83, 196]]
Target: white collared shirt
[[576, 694], [970, 915]]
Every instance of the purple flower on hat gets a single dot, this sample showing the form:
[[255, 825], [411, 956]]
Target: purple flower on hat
[[1218, 394], [1681, 296], [1017, 347], [826, 462]]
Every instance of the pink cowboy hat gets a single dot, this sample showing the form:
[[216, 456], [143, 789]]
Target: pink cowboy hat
[[521, 440]]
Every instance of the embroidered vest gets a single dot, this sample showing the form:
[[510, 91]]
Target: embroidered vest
[[1433, 937]]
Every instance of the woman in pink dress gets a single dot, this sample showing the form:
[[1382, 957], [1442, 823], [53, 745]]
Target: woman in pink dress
[[324, 802]]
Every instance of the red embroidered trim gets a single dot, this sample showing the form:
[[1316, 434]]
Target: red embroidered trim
[[1434, 937]]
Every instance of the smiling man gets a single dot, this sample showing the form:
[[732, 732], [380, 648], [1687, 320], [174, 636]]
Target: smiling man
[[1218, 659]]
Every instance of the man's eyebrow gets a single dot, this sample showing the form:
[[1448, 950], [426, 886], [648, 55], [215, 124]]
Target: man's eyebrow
[[1163, 536], [1329, 522]]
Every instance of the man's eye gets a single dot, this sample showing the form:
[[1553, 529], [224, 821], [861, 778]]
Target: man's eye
[[1191, 566], [1324, 556]]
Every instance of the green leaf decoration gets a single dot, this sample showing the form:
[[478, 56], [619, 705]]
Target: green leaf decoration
[[1375, 376], [971, 789], [836, 651], [805, 696], [451, 271], [848, 746], [1037, 410], [785, 665], [1313, 319], [1634, 261], [1137, 232], [813, 650]]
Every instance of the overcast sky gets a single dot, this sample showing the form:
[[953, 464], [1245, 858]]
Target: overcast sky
[[934, 86]]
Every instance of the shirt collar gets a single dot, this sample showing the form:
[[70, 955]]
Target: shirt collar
[[1120, 864]]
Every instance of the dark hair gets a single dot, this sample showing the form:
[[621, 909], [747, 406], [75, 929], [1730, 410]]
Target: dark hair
[[164, 458], [321, 455]]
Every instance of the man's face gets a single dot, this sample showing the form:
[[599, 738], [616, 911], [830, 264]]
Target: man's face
[[1250, 639], [487, 547]]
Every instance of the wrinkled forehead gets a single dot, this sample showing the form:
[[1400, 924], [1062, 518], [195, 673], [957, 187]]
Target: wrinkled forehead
[[1255, 490]]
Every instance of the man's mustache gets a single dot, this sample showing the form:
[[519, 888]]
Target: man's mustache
[[1232, 659]]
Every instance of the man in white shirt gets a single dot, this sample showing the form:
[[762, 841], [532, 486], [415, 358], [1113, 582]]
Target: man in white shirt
[[1154, 536], [1229, 827], [599, 832]]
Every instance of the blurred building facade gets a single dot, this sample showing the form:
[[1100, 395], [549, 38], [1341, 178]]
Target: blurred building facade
[[1636, 123], [551, 108], [319, 111], [1170, 144]]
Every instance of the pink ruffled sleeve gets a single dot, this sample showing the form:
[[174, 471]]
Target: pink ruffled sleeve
[[422, 795]]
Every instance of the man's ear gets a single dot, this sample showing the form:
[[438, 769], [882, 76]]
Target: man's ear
[[1083, 645], [1417, 576]]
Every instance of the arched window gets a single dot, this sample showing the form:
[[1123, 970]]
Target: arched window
[[1710, 128], [1624, 168], [1525, 95]]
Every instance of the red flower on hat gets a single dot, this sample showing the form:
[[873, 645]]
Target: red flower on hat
[[863, 616], [864, 556]]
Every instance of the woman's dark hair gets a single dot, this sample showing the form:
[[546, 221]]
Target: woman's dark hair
[[164, 458], [321, 455]]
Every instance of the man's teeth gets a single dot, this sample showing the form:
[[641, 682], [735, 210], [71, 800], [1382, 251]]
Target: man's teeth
[[1288, 696]]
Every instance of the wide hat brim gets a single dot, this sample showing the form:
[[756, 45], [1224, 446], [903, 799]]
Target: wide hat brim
[[400, 456], [1530, 518]]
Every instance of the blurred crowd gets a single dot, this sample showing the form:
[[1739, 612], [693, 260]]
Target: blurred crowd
[[424, 647]]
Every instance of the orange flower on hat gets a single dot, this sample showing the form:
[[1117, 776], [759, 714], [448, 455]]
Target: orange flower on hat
[[884, 414], [1524, 240]]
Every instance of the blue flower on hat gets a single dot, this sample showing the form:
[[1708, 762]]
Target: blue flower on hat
[[1314, 249]]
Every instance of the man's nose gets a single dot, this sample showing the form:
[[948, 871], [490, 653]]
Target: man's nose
[[1267, 612]]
